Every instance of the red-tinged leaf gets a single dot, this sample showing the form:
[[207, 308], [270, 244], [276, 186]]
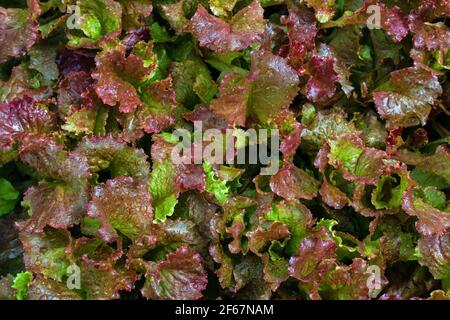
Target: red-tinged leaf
[[438, 163], [45, 253], [395, 244], [428, 36], [163, 185], [58, 206], [339, 67], [103, 273], [298, 219], [59, 199], [249, 275], [103, 280], [130, 131], [373, 131], [431, 221], [19, 85], [268, 90], [42, 288], [7, 292], [275, 271], [236, 230], [264, 235], [245, 27], [76, 149], [245, 278], [174, 14], [332, 196], [51, 161], [79, 105], [275, 38], [187, 176], [190, 177], [233, 98], [286, 121], [42, 60], [132, 37], [348, 152], [123, 205], [11, 259], [87, 120], [96, 22], [293, 183], [158, 112], [393, 20], [75, 61], [324, 9], [165, 235], [290, 145], [72, 92], [407, 99], [321, 85], [117, 76], [391, 187], [348, 282], [362, 204], [208, 118], [316, 257], [433, 9], [161, 148], [201, 212], [19, 30], [302, 31], [308, 264], [232, 224], [107, 153], [51, 253], [323, 125], [24, 117], [134, 13], [321, 159], [434, 253], [181, 276], [225, 270], [274, 85]]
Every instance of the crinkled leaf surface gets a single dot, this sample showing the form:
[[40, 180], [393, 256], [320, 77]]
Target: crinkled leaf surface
[[107, 105], [245, 27], [181, 276]]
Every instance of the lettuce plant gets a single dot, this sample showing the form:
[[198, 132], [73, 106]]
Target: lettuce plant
[[92, 205]]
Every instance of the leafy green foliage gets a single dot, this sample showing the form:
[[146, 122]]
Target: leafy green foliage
[[8, 197], [97, 96], [21, 283]]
